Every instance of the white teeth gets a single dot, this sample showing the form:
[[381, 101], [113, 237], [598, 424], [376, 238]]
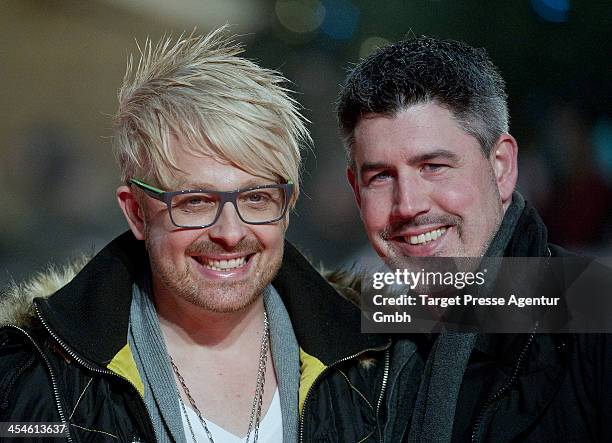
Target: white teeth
[[427, 237], [223, 265]]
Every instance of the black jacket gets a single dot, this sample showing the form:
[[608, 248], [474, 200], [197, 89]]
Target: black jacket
[[536, 387], [64, 358]]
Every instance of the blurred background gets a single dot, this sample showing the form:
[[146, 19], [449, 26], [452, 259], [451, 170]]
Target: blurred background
[[62, 62]]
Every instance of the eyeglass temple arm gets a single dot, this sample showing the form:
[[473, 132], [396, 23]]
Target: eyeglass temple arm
[[149, 190]]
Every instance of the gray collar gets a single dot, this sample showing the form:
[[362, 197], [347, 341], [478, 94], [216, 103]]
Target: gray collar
[[160, 391]]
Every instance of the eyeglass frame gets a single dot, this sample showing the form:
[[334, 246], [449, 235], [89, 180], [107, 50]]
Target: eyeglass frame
[[224, 197]]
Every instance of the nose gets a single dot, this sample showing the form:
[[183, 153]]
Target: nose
[[411, 198], [228, 230]]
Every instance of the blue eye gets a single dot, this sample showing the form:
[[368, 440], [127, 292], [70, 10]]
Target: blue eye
[[258, 197], [433, 167], [384, 175], [190, 202]]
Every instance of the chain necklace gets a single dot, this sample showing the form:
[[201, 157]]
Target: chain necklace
[[257, 399]]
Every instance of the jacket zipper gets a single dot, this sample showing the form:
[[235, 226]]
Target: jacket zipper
[[56, 394], [20, 370], [327, 368], [91, 367], [382, 393], [509, 382], [502, 390]]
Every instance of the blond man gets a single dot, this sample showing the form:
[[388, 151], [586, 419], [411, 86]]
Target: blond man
[[201, 323]]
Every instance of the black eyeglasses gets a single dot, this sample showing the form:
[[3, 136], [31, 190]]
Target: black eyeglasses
[[201, 208]]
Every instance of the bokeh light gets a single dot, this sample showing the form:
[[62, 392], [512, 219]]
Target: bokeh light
[[556, 11], [341, 18], [300, 16]]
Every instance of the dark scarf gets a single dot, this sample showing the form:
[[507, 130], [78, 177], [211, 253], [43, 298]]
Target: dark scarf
[[434, 411]]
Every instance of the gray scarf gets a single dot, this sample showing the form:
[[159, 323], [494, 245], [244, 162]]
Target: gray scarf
[[160, 391], [434, 410]]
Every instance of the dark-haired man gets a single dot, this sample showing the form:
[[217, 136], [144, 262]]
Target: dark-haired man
[[433, 169]]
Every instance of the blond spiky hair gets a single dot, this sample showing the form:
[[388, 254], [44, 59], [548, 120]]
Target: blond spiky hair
[[199, 90]]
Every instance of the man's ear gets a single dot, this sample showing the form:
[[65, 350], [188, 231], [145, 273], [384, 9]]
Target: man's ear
[[503, 159], [132, 211], [352, 178]]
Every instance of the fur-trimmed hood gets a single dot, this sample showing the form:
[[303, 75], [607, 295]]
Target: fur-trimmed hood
[[346, 281], [16, 306]]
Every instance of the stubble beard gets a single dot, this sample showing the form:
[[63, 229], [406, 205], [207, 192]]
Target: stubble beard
[[219, 297], [422, 220], [394, 254], [451, 261]]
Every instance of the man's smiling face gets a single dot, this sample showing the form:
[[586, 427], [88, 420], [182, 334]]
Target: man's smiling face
[[423, 186], [222, 268]]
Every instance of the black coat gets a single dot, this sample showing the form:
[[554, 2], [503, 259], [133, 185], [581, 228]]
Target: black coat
[[536, 387]]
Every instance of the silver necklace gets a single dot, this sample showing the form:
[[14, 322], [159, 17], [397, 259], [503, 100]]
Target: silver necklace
[[255, 417]]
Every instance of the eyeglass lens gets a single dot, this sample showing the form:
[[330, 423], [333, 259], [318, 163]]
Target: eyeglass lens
[[254, 206]]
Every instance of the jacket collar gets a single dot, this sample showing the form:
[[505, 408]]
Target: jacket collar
[[91, 313], [529, 239], [530, 236]]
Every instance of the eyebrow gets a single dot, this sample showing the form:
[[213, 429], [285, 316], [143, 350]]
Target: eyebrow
[[212, 187], [420, 158], [366, 167], [438, 153]]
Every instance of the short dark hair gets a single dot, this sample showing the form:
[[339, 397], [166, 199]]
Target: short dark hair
[[450, 73]]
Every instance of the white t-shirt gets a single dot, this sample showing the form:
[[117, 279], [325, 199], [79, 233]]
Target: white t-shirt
[[270, 427]]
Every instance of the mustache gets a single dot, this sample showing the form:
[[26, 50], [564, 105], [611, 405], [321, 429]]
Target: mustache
[[397, 228], [246, 245]]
